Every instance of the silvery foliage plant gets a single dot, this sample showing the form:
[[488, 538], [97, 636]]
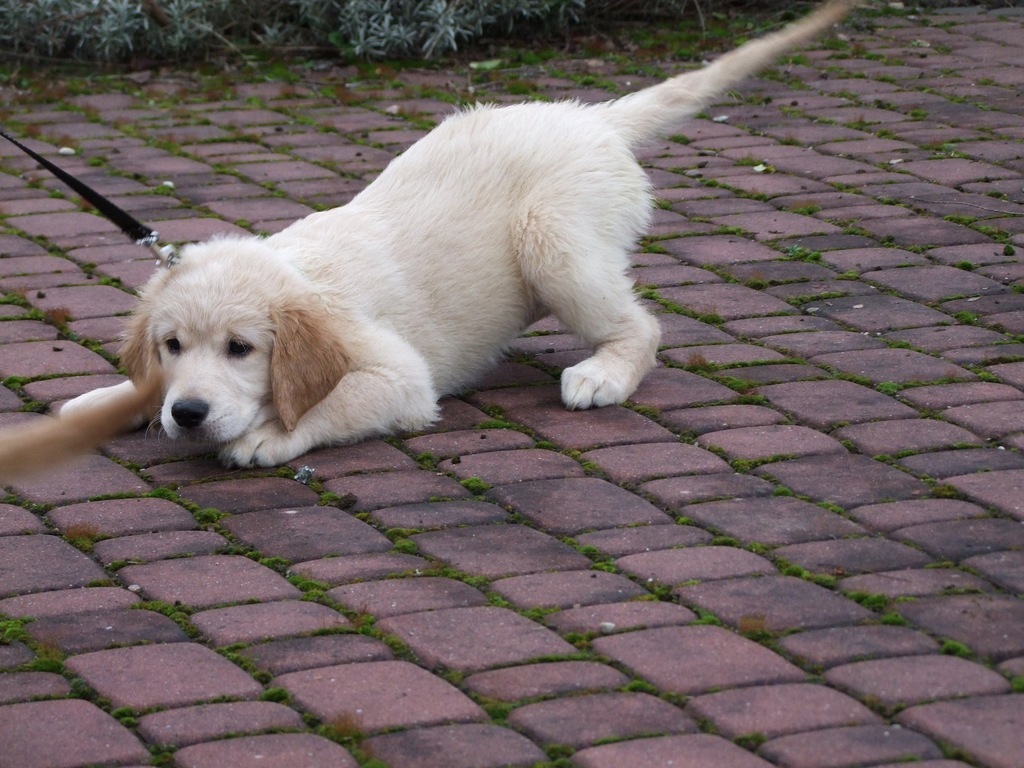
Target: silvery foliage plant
[[117, 30]]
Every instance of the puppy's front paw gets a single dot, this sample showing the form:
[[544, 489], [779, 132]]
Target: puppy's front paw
[[269, 445], [591, 385]]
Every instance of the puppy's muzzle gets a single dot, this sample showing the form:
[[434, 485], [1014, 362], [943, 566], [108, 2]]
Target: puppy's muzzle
[[189, 413]]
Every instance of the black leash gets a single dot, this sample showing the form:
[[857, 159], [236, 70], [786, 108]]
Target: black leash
[[127, 223]]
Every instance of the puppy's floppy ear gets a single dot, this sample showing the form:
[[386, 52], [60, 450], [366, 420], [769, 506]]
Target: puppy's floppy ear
[[138, 352], [307, 362]]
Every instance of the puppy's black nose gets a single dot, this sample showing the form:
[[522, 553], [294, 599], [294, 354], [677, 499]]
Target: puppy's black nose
[[189, 413]]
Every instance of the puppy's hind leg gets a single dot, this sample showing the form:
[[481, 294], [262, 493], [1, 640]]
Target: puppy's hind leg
[[598, 304], [625, 338]]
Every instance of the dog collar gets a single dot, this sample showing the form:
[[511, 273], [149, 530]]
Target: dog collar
[[166, 255]]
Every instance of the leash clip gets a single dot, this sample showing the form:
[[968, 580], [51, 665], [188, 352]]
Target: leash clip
[[166, 256]]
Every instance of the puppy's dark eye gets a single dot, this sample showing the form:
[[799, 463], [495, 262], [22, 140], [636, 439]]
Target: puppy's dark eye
[[238, 348], [173, 346]]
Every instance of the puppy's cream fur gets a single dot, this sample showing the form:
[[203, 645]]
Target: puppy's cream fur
[[354, 321]]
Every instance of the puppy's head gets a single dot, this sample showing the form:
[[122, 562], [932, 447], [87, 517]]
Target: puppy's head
[[239, 339]]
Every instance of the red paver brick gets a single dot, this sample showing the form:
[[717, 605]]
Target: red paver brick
[[693, 660], [59, 225], [618, 542], [209, 580], [720, 417], [380, 695], [84, 301], [725, 300], [895, 683], [770, 441], [15, 520], [849, 747], [64, 601], [1003, 490], [960, 539], [687, 751], [720, 249], [1004, 568], [169, 675], [65, 734], [914, 582], [576, 505], [607, 618], [676, 492], [501, 467], [25, 330], [367, 456], [987, 624], [390, 489], [666, 388], [777, 710], [898, 435], [550, 678], [247, 495], [877, 314], [14, 654], [306, 533], [841, 645], [934, 283], [988, 728], [436, 515], [467, 639], [848, 556], [254, 623], [340, 570], [96, 630], [988, 420], [24, 686], [676, 566], [956, 462], [293, 654], [923, 231], [720, 354], [393, 597], [296, 750], [827, 404], [820, 343], [192, 725], [37, 563], [773, 521], [118, 517], [890, 516], [541, 409], [565, 589], [145, 547], [582, 721], [777, 602], [848, 480], [499, 550], [942, 338], [954, 171], [447, 445], [456, 746]]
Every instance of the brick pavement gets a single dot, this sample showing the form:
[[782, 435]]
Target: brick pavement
[[800, 545]]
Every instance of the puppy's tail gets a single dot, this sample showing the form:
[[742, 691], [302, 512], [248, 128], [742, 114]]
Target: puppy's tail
[[46, 444], [656, 111]]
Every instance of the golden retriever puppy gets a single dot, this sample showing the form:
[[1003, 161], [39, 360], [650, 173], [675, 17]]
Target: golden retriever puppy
[[353, 322]]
